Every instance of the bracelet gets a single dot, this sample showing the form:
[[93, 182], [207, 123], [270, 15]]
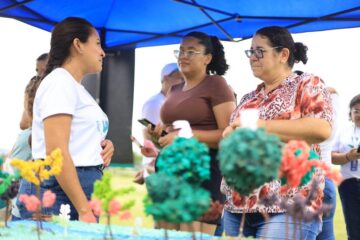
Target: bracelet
[[347, 158]]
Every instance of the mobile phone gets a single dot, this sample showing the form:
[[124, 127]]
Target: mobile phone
[[358, 150], [146, 122]]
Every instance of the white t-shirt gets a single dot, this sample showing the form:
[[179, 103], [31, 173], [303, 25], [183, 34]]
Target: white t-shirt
[[348, 138], [60, 93], [151, 108], [151, 111], [326, 146]]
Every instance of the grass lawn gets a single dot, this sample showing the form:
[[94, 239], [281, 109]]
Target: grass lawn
[[122, 177], [339, 221]]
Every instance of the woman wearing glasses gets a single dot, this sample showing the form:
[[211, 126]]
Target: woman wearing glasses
[[204, 100], [292, 107], [346, 152]]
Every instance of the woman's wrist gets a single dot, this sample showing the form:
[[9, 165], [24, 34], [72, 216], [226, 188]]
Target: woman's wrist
[[83, 210], [261, 123], [347, 157]]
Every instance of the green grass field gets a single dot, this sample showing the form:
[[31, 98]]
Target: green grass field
[[339, 222], [122, 177]]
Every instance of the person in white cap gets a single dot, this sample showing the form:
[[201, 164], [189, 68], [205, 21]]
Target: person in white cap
[[170, 76]]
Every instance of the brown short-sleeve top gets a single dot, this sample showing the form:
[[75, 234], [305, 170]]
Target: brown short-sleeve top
[[196, 104]]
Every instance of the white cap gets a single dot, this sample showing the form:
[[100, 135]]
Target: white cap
[[169, 69], [185, 129]]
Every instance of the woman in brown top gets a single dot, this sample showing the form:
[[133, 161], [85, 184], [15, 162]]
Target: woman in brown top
[[204, 100]]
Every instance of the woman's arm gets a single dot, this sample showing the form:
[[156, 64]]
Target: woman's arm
[[57, 134], [222, 114], [343, 158], [311, 130]]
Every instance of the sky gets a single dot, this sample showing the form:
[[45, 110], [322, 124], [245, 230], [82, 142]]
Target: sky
[[333, 55]]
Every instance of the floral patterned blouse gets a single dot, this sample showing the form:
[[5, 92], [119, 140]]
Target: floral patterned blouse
[[296, 97]]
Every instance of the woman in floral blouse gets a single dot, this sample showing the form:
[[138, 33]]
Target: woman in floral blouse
[[292, 107]]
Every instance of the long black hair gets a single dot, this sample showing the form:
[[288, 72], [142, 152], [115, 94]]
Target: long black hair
[[214, 47], [62, 37]]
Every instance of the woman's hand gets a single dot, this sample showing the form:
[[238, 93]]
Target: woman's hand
[[352, 155], [229, 129], [143, 173], [139, 177], [168, 138], [155, 133], [149, 149], [107, 152], [87, 216]]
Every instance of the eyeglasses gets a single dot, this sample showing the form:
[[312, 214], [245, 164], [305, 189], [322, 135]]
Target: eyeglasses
[[355, 111], [258, 52], [187, 54]]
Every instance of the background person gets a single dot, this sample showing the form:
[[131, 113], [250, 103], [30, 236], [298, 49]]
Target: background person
[[22, 150], [327, 230], [170, 75], [204, 100], [291, 107], [63, 108], [41, 62], [345, 153], [22, 145]]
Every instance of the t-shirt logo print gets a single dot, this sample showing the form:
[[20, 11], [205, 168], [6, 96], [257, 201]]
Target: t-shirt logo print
[[102, 126]]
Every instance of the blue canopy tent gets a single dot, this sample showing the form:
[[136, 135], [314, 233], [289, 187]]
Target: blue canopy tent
[[126, 25]]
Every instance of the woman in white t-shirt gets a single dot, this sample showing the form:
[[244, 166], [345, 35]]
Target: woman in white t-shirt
[[346, 153], [65, 116]]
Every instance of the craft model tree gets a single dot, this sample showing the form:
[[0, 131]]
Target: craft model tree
[[174, 200], [36, 172], [301, 166], [249, 158], [104, 201], [9, 187], [175, 194], [187, 159]]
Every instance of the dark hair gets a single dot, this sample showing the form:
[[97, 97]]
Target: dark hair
[[355, 100], [62, 37], [280, 37], [213, 46], [298, 72], [30, 92], [43, 57]]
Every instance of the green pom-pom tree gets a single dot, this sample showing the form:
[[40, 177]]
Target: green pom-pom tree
[[249, 158], [174, 191], [174, 200], [187, 159]]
